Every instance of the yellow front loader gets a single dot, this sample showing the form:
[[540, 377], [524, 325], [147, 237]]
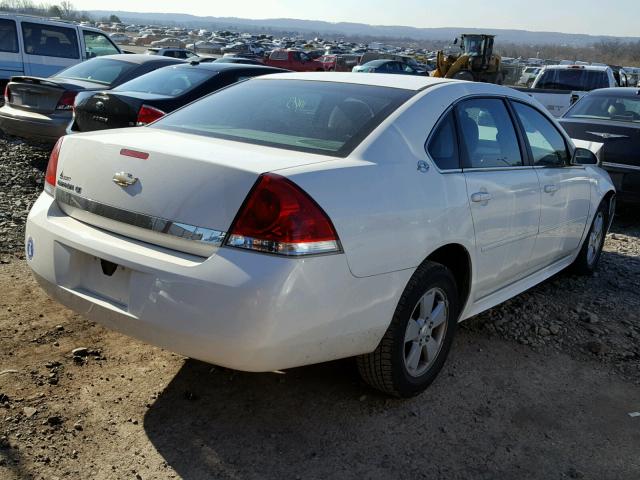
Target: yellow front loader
[[474, 62]]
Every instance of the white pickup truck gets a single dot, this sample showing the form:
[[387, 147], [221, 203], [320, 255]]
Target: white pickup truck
[[558, 87]]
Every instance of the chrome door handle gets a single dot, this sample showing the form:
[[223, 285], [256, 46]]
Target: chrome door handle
[[481, 197], [550, 188]]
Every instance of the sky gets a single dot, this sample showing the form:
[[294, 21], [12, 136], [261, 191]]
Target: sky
[[595, 17]]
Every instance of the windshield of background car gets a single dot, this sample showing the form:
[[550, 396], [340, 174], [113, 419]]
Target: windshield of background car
[[170, 81], [572, 79], [99, 70], [309, 116], [607, 107]]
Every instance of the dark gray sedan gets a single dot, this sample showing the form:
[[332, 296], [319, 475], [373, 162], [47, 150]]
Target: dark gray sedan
[[41, 109]]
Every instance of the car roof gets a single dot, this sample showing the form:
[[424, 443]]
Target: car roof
[[596, 68], [217, 67], [380, 61], [140, 58], [618, 91], [407, 82]]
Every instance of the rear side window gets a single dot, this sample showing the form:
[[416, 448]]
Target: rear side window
[[328, 118], [547, 145], [443, 147], [280, 55], [8, 36], [50, 40], [488, 134], [98, 70], [170, 81]]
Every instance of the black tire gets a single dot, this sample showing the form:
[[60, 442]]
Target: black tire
[[386, 367], [586, 262], [464, 75]]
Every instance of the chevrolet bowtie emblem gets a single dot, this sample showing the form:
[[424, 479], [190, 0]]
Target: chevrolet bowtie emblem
[[124, 179], [607, 135]]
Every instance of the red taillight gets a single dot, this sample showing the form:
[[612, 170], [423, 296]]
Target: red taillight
[[148, 114], [279, 217], [66, 101], [7, 94], [52, 168]]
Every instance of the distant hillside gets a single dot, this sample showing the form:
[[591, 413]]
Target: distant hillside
[[357, 29]]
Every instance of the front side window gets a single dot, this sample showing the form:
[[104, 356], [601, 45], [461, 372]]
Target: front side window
[[99, 70], [488, 134], [97, 44], [547, 145], [8, 36], [49, 40], [443, 147], [318, 117]]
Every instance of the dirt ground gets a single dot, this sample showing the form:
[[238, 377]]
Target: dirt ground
[[541, 387]]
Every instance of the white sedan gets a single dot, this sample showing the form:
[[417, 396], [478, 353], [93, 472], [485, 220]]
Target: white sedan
[[298, 218]]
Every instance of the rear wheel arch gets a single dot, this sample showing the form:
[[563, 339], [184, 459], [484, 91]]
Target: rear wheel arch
[[457, 259]]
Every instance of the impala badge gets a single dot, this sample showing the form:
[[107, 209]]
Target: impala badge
[[124, 179], [607, 136]]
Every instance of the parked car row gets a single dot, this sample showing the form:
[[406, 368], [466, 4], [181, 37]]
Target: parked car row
[[297, 218]]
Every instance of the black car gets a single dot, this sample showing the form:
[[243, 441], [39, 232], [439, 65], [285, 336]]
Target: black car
[[611, 116], [41, 108], [151, 96]]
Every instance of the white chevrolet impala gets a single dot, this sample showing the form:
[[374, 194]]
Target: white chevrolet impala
[[300, 218]]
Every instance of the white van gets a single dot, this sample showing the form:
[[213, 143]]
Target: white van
[[39, 47]]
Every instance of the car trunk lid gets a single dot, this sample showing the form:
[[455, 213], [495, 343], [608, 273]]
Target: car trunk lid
[[40, 95], [157, 186], [106, 110]]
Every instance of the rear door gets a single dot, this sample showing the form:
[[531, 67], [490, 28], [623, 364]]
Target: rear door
[[10, 54], [504, 193], [565, 188], [48, 48]]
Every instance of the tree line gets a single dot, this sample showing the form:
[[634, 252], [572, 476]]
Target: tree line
[[65, 10]]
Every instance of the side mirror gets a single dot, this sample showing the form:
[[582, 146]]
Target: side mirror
[[583, 156]]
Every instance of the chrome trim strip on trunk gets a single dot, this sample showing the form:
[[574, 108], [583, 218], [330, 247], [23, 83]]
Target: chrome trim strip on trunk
[[183, 237]]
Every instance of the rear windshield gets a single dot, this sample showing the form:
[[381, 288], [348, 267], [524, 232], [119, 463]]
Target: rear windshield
[[99, 70], [171, 81], [309, 116], [607, 107], [573, 79]]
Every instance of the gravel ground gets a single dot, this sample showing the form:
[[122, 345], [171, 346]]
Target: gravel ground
[[539, 387], [22, 170]]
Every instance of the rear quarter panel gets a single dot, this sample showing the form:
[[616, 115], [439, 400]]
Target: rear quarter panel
[[388, 215]]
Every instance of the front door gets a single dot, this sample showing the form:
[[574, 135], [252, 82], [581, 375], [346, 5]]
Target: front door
[[504, 194], [564, 189]]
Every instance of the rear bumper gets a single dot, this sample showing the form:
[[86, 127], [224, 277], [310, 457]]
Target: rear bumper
[[237, 309], [32, 125]]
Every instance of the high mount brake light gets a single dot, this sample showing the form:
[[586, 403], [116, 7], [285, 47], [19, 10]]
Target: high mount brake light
[[148, 114], [278, 217], [52, 168]]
